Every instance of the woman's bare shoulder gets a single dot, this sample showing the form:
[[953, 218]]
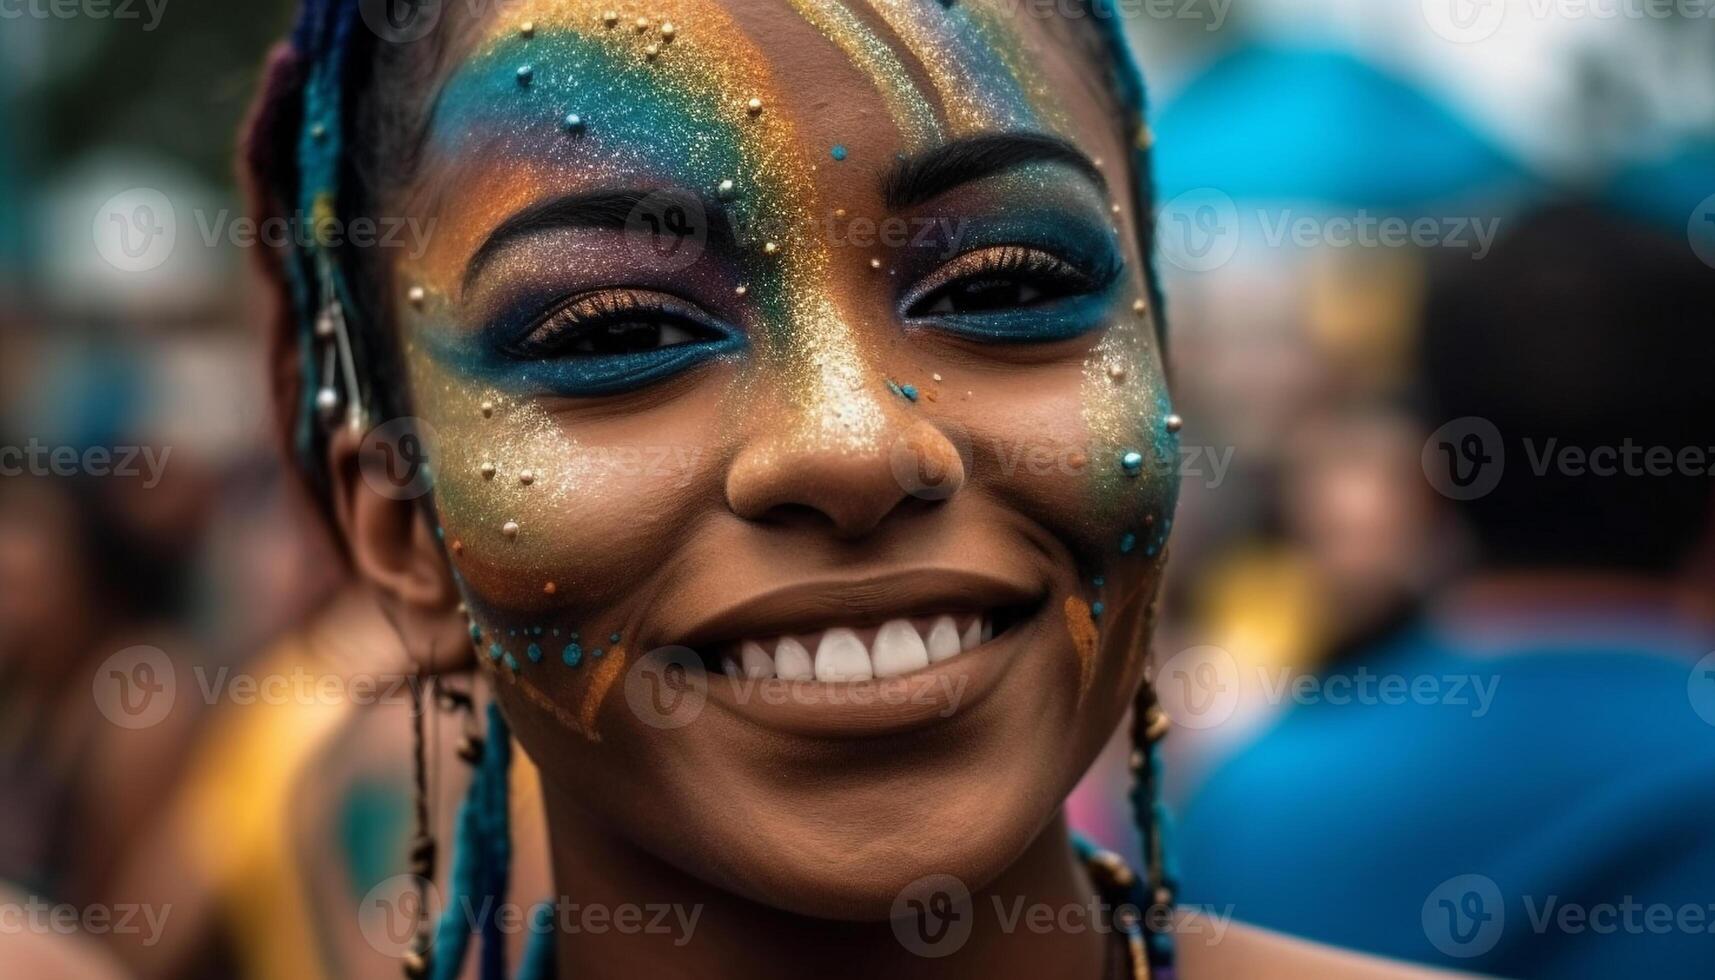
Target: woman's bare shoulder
[[1211, 950]]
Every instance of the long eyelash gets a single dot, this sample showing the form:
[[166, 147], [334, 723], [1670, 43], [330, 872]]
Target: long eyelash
[[1003, 259], [583, 312]]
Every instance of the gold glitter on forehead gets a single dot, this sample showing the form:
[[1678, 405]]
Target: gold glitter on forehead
[[979, 59], [911, 110]]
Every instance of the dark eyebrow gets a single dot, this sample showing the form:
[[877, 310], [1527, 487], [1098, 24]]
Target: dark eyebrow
[[931, 173], [615, 210]]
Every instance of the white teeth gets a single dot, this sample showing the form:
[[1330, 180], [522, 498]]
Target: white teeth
[[943, 639], [898, 649], [758, 665], [901, 646], [841, 657], [792, 661]]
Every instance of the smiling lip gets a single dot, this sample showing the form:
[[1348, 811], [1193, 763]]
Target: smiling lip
[[864, 706], [810, 606]]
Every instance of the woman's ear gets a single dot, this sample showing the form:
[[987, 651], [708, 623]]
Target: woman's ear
[[393, 545]]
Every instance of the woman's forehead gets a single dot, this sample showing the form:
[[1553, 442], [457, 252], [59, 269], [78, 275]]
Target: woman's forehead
[[778, 97], [941, 67]]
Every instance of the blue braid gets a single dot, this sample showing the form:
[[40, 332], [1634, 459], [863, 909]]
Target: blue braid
[[323, 37], [1134, 97], [482, 858], [539, 953]]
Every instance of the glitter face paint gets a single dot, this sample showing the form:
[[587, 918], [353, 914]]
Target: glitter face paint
[[702, 113], [976, 61], [911, 108]]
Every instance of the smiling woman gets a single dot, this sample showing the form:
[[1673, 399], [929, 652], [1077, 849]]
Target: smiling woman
[[899, 652]]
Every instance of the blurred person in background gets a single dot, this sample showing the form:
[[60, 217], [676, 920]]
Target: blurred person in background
[[80, 580], [1354, 503], [1558, 751]]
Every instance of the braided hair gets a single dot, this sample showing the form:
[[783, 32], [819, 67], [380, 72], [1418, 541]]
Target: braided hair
[[341, 117]]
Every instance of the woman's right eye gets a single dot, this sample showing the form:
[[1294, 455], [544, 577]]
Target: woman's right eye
[[615, 323], [614, 341], [625, 338]]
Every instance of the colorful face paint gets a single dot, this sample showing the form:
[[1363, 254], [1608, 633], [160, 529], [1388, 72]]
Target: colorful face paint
[[975, 55], [910, 107], [691, 125]]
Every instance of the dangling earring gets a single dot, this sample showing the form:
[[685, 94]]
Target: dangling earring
[[334, 330], [423, 842]]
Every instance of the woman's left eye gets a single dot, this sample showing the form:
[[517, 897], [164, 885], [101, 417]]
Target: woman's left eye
[[999, 279]]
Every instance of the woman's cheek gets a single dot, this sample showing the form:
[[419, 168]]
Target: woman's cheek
[[533, 518], [1083, 448], [1133, 482]]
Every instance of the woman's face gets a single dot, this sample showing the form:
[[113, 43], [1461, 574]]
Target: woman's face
[[811, 350]]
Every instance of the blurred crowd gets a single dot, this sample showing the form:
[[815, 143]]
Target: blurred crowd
[[1393, 259]]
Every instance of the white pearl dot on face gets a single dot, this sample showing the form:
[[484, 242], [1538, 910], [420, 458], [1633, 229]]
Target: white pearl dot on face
[[527, 477], [510, 529]]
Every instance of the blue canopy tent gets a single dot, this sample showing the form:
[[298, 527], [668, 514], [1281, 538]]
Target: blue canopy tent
[[1268, 123]]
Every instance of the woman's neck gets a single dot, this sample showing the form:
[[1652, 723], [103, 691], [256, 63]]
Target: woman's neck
[[625, 913]]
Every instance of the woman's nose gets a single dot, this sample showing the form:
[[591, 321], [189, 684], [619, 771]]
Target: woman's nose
[[851, 488]]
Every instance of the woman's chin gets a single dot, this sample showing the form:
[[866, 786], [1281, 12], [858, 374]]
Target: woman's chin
[[857, 864]]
